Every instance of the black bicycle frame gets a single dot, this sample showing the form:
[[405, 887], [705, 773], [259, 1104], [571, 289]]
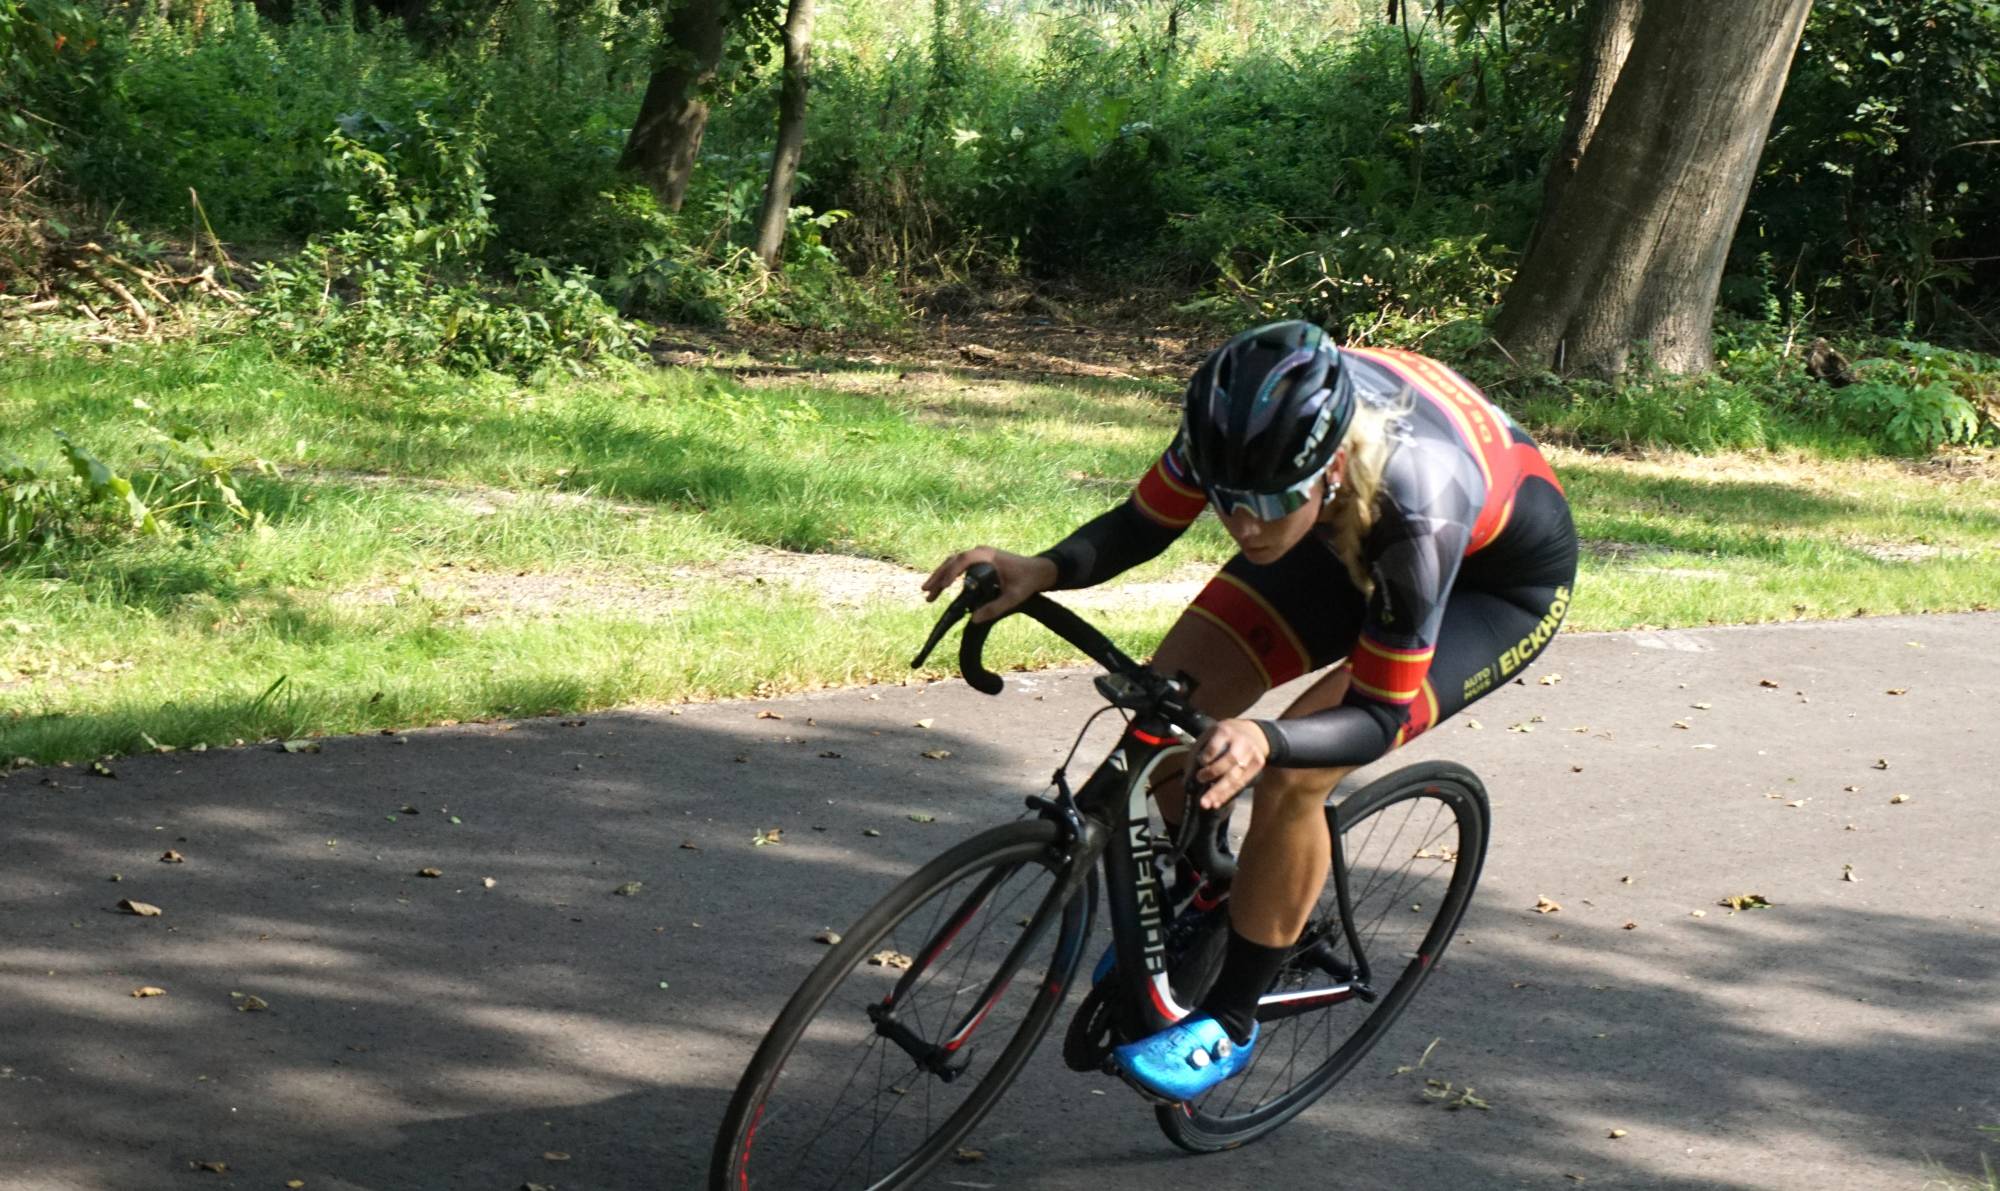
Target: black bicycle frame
[[1108, 818]]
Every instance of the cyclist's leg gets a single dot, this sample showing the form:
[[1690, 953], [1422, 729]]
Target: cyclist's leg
[[1255, 627]]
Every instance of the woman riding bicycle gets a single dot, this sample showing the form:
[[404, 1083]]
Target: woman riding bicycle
[[1392, 524]]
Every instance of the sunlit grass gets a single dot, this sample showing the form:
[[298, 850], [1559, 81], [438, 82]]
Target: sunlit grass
[[600, 522]]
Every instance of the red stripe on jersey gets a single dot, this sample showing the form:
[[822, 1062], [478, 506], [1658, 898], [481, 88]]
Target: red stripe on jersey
[[1389, 675], [1164, 498]]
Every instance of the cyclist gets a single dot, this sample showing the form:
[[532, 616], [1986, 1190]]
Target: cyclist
[[1393, 525]]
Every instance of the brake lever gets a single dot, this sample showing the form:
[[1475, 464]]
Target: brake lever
[[982, 586]]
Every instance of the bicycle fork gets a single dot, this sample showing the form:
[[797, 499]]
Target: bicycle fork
[[951, 1057]]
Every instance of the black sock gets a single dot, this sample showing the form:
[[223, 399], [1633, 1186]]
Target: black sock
[[1248, 970]]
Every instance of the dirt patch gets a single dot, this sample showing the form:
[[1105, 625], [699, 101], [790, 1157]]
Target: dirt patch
[[476, 597]]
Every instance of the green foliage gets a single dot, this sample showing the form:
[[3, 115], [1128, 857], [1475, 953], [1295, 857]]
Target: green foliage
[[180, 481], [1880, 185], [51, 62], [401, 286], [1919, 397]]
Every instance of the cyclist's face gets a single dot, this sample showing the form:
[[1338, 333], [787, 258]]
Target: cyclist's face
[[1265, 542]]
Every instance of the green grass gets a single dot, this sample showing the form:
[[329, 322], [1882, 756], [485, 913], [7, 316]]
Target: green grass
[[415, 523]]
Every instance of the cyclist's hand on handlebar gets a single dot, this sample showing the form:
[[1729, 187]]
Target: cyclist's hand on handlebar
[[1021, 576], [1228, 757]]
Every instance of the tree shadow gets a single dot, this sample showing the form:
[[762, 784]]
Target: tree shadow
[[440, 1032]]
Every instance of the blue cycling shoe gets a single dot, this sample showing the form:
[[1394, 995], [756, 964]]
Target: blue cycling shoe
[[1184, 1061]]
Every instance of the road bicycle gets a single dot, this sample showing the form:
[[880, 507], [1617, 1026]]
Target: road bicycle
[[908, 1031]]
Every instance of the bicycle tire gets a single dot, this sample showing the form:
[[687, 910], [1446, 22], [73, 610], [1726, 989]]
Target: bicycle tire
[[1213, 1122], [758, 1149]]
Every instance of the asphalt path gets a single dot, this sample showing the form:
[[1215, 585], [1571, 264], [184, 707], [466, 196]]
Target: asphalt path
[[517, 1020]]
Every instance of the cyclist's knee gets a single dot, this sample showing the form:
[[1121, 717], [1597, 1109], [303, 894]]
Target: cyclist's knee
[[1297, 789]]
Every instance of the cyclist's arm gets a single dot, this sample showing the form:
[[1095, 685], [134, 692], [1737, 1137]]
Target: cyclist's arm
[[1413, 573], [1162, 506]]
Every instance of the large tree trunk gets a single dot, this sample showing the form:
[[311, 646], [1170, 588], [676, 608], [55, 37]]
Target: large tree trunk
[[791, 132], [1611, 26], [666, 138], [1632, 252]]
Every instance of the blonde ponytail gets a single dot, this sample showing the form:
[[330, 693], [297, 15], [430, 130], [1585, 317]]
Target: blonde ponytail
[[1369, 441]]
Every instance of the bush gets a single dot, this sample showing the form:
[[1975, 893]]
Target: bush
[[402, 285], [182, 481], [1920, 397]]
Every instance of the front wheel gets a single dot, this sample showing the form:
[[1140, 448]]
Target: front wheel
[[1413, 843], [911, 1027]]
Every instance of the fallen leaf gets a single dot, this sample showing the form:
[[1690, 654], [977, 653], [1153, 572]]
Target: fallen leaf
[[629, 889], [829, 937], [925, 723], [890, 959], [555, 1156], [149, 991], [1704, 746], [966, 1156], [1681, 724], [1852, 789], [1698, 913], [142, 909], [409, 810], [870, 832], [1847, 873], [769, 715], [294, 1184], [1576, 769], [1896, 798], [936, 754], [101, 769], [298, 746], [1701, 706], [172, 857], [775, 835], [1881, 763], [430, 872], [1551, 679], [1616, 1133], [1544, 905], [920, 817], [1624, 880], [1520, 727], [1475, 725], [688, 845], [1899, 690], [1798, 802], [213, 1167], [1765, 682], [252, 1004], [1746, 901], [489, 882], [1630, 925], [830, 755]]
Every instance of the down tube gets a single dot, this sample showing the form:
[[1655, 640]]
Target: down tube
[[1137, 902]]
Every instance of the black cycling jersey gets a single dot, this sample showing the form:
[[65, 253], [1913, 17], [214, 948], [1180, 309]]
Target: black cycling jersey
[[1470, 518]]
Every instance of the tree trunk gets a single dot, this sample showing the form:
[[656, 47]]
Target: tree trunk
[[791, 132], [666, 138], [1632, 253], [1611, 25]]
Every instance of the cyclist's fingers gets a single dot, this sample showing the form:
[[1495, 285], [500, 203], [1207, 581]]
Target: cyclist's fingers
[[947, 571]]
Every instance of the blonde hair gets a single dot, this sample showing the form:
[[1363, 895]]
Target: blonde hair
[[1369, 441]]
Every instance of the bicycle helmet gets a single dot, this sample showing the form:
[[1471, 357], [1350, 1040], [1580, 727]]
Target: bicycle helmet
[[1264, 415]]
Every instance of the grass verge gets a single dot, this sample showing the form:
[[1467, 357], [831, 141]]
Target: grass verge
[[447, 550]]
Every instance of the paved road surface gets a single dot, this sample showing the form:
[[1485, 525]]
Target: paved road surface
[[439, 1033]]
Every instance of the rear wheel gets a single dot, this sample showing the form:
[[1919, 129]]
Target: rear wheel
[[911, 1027], [1413, 843]]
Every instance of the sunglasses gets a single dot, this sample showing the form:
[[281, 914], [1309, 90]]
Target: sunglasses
[[1264, 506]]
